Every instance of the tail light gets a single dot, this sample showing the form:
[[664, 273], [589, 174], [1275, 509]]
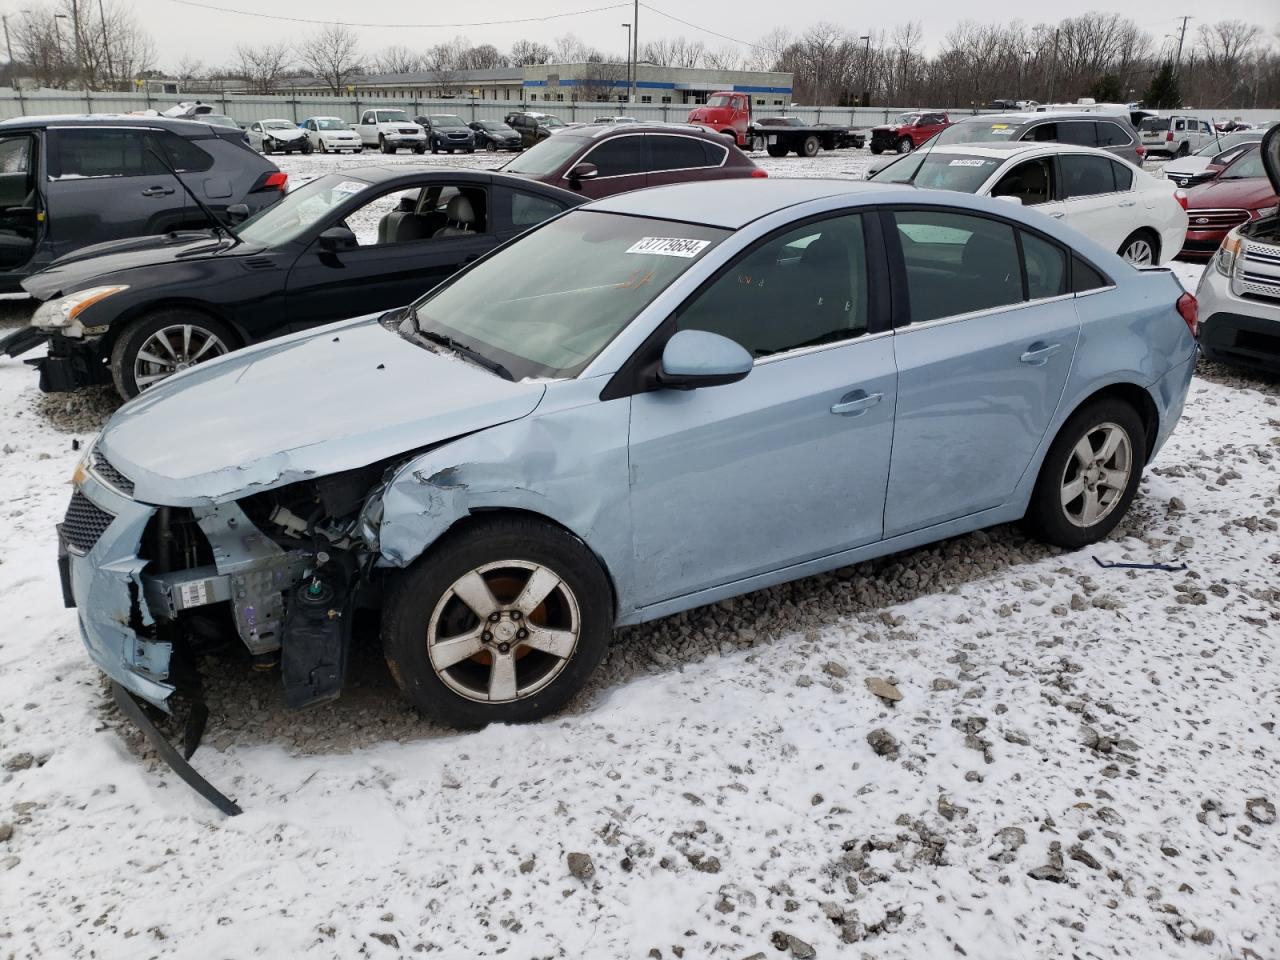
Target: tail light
[[1169, 137], [1190, 312], [276, 180], [1140, 150], [1181, 197], [759, 173]]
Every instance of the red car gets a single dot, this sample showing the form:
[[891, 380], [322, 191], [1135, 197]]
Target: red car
[[908, 131], [1240, 193], [600, 161]]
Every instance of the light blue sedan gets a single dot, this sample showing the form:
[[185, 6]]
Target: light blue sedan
[[649, 403]]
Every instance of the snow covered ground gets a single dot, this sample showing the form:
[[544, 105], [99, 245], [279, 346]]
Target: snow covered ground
[[1083, 762]]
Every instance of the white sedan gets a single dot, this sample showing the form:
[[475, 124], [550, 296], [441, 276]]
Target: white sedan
[[1106, 198], [331, 134], [277, 136]]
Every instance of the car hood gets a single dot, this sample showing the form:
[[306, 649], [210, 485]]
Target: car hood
[[339, 397], [1271, 156], [461, 129], [1187, 166], [293, 133], [1247, 193], [77, 270]]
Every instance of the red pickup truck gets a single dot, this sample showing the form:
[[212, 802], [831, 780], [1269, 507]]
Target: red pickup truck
[[908, 131], [728, 113]]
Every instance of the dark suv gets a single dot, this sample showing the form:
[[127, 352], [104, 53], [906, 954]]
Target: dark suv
[[601, 160], [533, 127], [70, 182]]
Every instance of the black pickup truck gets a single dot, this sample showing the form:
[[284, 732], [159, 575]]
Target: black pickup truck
[[782, 135]]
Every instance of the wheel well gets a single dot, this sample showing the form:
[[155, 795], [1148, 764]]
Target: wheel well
[[1141, 401], [483, 513], [1152, 236], [144, 311]]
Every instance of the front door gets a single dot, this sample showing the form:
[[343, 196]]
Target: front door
[[980, 369], [20, 201], [789, 464], [407, 245], [622, 163], [1033, 183]]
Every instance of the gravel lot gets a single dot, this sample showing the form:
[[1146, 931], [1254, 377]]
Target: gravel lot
[[982, 748]]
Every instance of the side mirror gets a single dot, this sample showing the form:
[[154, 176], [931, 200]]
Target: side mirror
[[1007, 198], [337, 239], [238, 212], [583, 171], [698, 358]]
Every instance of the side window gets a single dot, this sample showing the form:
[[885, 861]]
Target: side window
[[1080, 133], [618, 156], [1030, 182], [367, 118], [957, 263], [1112, 135], [1085, 277], [1084, 175], [185, 156], [15, 155], [1123, 176], [801, 288], [675, 153], [1042, 133], [421, 213], [99, 152], [1046, 265], [1179, 125], [528, 209]]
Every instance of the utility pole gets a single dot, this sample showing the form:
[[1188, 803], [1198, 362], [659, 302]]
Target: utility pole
[[13, 79], [628, 26], [75, 37], [1053, 67], [635, 51], [1182, 35], [866, 71], [106, 42]]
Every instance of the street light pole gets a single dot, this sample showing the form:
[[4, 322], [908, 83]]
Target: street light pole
[[635, 49], [628, 26], [866, 71], [13, 78]]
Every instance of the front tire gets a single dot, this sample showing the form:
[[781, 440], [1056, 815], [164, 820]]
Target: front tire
[[1141, 248], [384, 146], [491, 147], [502, 622], [164, 343], [776, 150], [905, 145], [877, 150], [1090, 475]]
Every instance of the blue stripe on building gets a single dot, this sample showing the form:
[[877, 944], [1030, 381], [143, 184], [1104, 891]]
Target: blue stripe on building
[[655, 85]]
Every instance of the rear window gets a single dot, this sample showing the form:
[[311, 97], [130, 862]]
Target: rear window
[[1154, 125], [980, 131], [99, 152]]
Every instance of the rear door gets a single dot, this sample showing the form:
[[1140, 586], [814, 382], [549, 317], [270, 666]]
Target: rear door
[[674, 158], [1095, 204], [104, 185], [982, 355]]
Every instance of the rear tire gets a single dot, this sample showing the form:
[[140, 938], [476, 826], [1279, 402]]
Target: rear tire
[[193, 338], [1141, 248], [877, 150], [810, 147], [1089, 476], [492, 561], [1183, 149], [774, 150]]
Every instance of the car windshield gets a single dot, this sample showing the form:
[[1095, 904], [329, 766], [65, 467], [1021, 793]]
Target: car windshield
[[1227, 156], [330, 123], [545, 157], [547, 304], [300, 209], [277, 125], [218, 120], [550, 121], [942, 171], [1226, 142], [1153, 125], [980, 131], [392, 116], [1250, 165], [446, 120], [719, 101], [494, 126], [906, 119]]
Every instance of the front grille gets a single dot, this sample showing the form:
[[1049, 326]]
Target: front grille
[[84, 523], [408, 131], [106, 472], [1216, 219], [1259, 274]]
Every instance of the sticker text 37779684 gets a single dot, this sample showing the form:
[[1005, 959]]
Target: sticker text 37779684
[[669, 246]]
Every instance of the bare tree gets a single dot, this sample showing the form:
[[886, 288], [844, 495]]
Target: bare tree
[[725, 58], [263, 67], [525, 52], [601, 81], [66, 45], [333, 57], [567, 48], [484, 57], [188, 69], [443, 63], [1226, 48], [397, 59]]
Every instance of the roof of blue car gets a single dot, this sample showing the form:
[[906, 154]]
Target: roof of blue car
[[730, 204]]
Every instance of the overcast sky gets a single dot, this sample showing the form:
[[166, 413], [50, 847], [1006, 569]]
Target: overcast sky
[[211, 36]]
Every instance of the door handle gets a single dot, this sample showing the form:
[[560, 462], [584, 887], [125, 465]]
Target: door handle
[[1038, 353], [856, 403], [1058, 215], [157, 191], [1129, 203]]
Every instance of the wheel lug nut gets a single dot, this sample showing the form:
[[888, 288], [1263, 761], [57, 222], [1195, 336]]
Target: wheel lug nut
[[494, 617], [504, 648], [515, 614], [522, 634], [486, 636]]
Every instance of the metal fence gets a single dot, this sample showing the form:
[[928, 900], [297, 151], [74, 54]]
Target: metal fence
[[246, 109]]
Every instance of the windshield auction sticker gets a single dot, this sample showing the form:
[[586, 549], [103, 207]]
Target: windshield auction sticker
[[967, 162], [669, 246]]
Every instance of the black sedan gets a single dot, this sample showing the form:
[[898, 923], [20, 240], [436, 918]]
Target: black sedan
[[357, 242], [494, 135]]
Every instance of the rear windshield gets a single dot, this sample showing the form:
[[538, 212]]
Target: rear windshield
[[1154, 125], [981, 131], [942, 171], [546, 157]]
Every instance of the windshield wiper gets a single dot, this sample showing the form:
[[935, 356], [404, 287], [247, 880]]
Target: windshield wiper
[[462, 349]]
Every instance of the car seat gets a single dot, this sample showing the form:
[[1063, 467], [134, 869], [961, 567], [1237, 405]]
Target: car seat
[[461, 218]]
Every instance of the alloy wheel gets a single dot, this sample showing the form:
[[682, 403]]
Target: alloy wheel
[[1096, 475], [503, 631], [1139, 253], [172, 349]]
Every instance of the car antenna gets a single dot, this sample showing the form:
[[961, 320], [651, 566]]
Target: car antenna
[[213, 217]]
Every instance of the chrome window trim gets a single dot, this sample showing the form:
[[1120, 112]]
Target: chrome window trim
[[586, 157], [990, 311], [1090, 293], [819, 347]]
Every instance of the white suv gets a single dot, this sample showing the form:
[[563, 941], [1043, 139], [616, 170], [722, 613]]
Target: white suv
[[1175, 136], [389, 130]]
